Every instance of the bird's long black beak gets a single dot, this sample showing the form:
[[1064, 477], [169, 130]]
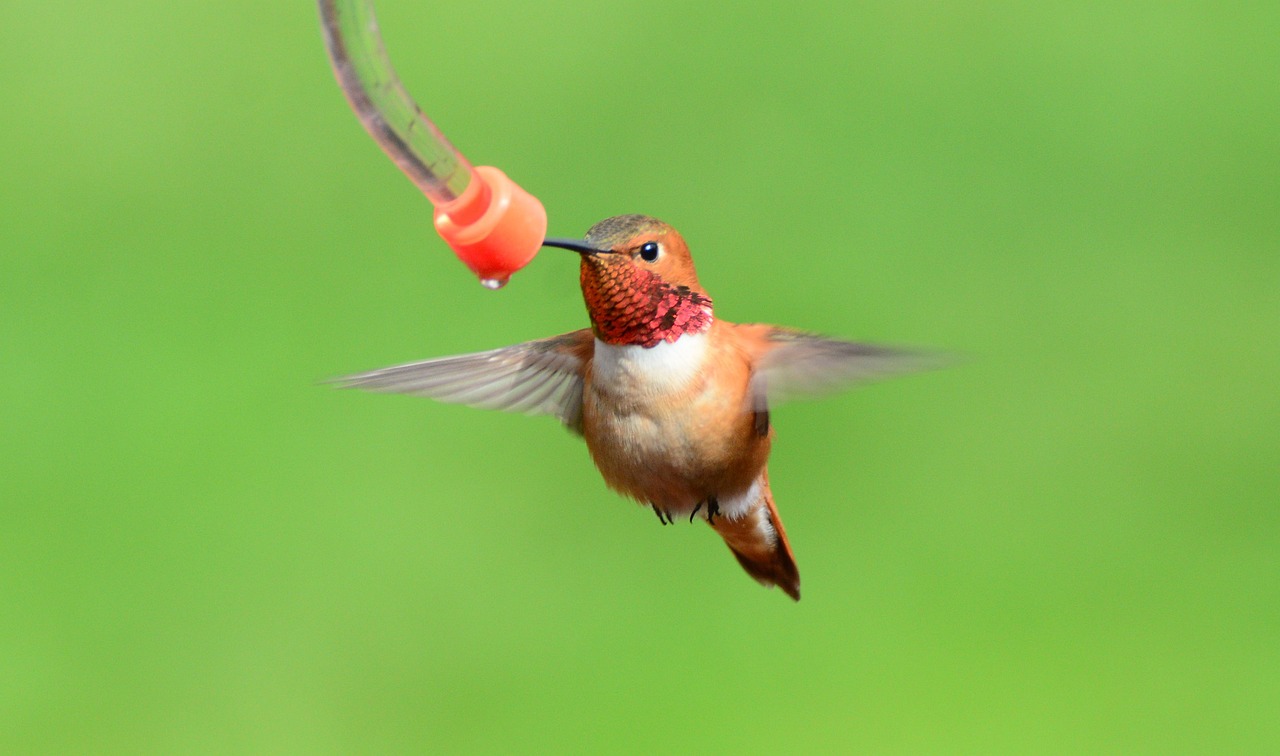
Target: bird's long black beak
[[577, 245]]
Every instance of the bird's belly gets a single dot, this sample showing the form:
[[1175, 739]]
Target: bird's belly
[[672, 438]]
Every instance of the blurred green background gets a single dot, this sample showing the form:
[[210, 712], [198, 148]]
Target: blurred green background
[[1069, 544]]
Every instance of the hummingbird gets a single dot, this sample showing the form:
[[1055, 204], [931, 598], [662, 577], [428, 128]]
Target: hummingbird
[[672, 401]]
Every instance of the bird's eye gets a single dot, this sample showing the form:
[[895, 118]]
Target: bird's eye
[[649, 252]]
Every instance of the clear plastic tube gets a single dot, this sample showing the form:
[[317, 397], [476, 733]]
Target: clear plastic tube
[[493, 225], [387, 111]]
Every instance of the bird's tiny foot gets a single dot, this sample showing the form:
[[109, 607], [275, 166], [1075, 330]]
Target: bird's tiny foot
[[664, 520], [695, 511], [713, 509]]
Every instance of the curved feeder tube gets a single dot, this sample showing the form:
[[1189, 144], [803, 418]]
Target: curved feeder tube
[[493, 225]]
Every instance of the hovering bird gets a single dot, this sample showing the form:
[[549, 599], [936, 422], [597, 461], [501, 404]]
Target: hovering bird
[[672, 401]]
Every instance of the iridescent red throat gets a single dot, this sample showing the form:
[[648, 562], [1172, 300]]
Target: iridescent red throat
[[644, 310]]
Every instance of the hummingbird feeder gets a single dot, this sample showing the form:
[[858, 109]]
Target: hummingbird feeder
[[493, 225]]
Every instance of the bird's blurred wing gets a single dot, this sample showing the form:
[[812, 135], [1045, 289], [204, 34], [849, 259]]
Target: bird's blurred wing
[[794, 364], [542, 377]]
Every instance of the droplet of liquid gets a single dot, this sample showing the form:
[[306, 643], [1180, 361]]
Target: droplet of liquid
[[493, 283]]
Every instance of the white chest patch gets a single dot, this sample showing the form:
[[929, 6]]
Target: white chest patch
[[668, 366]]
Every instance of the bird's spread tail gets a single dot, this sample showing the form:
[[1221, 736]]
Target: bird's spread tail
[[757, 539]]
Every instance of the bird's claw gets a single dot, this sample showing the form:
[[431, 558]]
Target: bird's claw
[[695, 511], [713, 509]]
